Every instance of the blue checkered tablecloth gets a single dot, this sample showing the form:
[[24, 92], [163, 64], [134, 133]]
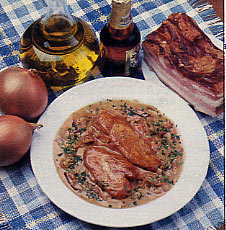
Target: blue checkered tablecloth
[[23, 205]]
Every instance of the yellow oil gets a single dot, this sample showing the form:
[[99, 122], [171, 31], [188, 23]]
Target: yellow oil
[[64, 54]]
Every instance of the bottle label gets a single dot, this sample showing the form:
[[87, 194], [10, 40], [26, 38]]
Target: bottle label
[[120, 17], [132, 58]]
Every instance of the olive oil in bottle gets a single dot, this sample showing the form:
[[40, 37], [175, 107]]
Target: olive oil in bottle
[[62, 48], [120, 42]]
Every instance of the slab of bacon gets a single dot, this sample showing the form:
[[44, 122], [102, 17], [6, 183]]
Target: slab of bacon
[[186, 60]]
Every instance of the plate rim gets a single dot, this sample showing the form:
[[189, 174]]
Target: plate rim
[[121, 222]]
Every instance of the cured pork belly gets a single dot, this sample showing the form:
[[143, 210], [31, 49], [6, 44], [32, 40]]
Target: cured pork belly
[[186, 60], [110, 170]]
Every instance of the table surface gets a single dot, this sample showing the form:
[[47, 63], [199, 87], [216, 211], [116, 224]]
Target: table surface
[[218, 6], [23, 205]]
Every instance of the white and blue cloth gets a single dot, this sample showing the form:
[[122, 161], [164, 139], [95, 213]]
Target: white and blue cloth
[[23, 205]]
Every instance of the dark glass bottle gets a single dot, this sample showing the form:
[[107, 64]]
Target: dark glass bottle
[[120, 42]]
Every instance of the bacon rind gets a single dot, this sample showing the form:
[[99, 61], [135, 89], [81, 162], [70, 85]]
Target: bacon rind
[[186, 60]]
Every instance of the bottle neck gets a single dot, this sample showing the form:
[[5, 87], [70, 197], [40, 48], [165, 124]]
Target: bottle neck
[[57, 7], [60, 31], [120, 17], [57, 20], [120, 22]]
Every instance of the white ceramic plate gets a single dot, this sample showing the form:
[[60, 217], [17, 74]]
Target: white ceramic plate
[[193, 136]]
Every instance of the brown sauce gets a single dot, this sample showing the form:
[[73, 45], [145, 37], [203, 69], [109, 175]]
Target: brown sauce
[[77, 134]]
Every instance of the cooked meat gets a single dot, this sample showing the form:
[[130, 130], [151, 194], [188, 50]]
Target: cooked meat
[[110, 170], [133, 147], [108, 153], [104, 122], [186, 60], [129, 142]]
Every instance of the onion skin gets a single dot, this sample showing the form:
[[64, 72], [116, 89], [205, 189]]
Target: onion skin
[[22, 93], [15, 139]]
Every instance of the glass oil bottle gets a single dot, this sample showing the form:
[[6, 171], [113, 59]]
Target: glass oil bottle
[[62, 48]]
